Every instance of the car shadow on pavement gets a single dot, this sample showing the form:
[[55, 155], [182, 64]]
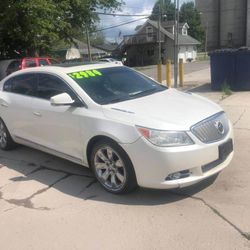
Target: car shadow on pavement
[[25, 166], [151, 197]]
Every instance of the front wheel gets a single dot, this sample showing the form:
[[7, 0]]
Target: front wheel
[[113, 168]]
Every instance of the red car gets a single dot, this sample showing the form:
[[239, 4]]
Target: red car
[[24, 63]]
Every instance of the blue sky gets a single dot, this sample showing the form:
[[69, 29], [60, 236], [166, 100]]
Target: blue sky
[[137, 7]]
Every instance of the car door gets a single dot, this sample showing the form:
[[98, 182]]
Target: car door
[[56, 127], [15, 104]]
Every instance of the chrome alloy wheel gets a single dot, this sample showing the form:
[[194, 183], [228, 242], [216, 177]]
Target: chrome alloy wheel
[[110, 168], [3, 135]]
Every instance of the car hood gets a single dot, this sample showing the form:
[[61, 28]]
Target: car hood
[[166, 110]]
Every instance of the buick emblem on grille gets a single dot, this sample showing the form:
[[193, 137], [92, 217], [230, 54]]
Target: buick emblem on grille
[[219, 127]]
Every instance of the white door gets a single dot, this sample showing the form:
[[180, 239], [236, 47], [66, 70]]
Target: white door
[[16, 105], [56, 127]]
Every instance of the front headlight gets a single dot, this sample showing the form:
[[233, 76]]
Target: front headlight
[[166, 138]]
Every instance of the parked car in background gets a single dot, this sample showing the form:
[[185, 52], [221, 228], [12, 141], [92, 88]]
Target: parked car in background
[[24, 63], [3, 67], [109, 59], [129, 129]]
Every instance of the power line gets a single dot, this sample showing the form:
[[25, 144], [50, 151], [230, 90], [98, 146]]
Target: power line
[[118, 14], [118, 25], [132, 8], [133, 15]]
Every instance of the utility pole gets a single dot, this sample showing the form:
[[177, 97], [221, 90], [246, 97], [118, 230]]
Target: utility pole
[[206, 37], [159, 66], [176, 42], [159, 33]]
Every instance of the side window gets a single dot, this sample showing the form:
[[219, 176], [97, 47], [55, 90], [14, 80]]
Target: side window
[[7, 85], [30, 63], [22, 84], [49, 86], [43, 62]]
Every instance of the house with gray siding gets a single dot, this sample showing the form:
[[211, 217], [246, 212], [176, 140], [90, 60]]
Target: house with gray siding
[[142, 48]]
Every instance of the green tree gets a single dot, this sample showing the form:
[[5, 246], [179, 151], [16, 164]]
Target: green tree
[[33, 26], [190, 15], [97, 38], [167, 10]]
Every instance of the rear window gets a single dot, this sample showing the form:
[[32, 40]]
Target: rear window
[[43, 62], [110, 85], [30, 63]]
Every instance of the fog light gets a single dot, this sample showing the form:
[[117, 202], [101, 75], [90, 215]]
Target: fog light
[[178, 175]]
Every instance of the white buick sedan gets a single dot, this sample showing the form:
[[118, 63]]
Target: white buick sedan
[[130, 130]]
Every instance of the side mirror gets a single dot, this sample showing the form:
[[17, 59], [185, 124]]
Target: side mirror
[[61, 99]]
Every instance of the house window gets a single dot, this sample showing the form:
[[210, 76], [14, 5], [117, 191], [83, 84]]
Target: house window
[[149, 31], [184, 31]]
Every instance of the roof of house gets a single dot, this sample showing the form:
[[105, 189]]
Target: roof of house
[[172, 23], [182, 40], [83, 48], [109, 47]]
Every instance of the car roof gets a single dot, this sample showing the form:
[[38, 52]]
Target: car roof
[[66, 68], [32, 58]]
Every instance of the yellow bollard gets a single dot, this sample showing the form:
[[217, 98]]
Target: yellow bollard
[[169, 73], [159, 72], [181, 72]]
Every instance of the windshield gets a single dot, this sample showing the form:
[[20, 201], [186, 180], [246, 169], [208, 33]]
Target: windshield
[[111, 85]]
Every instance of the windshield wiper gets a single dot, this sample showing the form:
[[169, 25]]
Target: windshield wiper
[[119, 99], [145, 92], [133, 95]]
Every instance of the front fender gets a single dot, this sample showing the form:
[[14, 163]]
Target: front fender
[[115, 130]]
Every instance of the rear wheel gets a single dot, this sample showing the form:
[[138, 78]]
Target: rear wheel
[[112, 167], [6, 142]]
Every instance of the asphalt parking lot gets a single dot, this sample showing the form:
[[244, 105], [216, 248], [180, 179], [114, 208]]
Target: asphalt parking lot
[[50, 203], [189, 68]]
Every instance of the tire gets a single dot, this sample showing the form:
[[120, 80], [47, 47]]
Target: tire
[[6, 142], [112, 167]]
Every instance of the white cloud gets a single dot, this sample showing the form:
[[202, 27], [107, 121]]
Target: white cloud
[[139, 7], [131, 7]]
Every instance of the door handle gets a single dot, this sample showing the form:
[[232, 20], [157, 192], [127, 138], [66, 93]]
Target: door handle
[[37, 114]]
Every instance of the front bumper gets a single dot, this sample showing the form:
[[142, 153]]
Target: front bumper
[[153, 164]]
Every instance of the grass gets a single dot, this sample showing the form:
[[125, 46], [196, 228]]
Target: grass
[[202, 56], [226, 90]]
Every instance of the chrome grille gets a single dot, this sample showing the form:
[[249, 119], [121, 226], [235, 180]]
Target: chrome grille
[[213, 129]]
